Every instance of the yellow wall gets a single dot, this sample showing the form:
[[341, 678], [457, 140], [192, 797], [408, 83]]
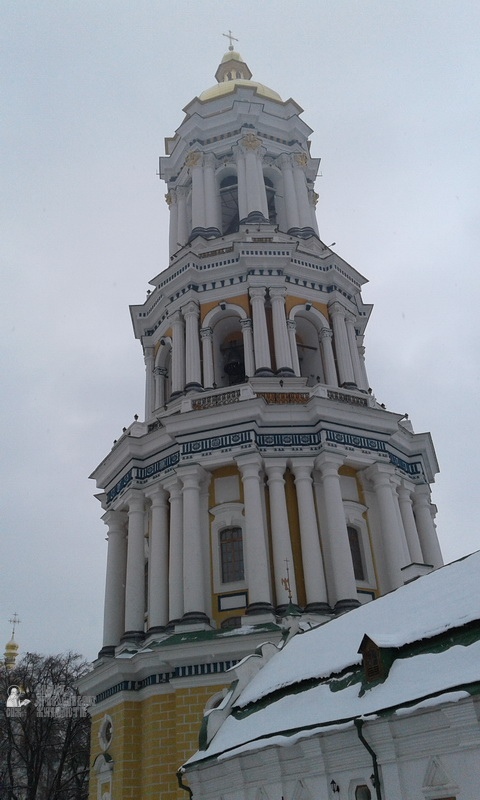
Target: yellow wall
[[151, 740]]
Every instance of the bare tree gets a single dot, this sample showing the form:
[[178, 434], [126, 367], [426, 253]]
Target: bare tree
[[44, 729]]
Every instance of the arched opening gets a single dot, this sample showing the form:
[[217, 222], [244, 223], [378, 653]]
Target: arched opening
[[233, 359], [363, 793], [270, 192], [229, 204], [308, 348]]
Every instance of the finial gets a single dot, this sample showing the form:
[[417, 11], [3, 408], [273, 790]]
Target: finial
[[15, 620], [286, 582], [231, 37]]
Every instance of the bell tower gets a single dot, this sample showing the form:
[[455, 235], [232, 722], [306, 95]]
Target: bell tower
[[265, 478]]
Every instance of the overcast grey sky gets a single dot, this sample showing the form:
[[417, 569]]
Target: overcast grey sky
[[90, 89]]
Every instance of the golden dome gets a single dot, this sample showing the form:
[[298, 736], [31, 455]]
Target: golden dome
[[233, 72]]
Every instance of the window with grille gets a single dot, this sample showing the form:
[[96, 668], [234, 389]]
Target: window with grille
[[231, 554]]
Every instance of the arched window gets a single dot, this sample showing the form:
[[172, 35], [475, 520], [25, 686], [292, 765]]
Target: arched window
[[363, 792], [231, 554], [229, 204], [356, 551], [270, 191]]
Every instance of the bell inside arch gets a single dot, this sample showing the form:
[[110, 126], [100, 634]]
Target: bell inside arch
[[234, 365]]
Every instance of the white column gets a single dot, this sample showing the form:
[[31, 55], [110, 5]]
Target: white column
[[263, 364], [325, 339], [135, 579], [114, 609], [193, 376], [178, 354], [344, 362], [312, 559], [426, 527], [171, 200], [206, 335], [291, 206], [182, 216], [300, 161], [194, 162], [246, 326], [281, 544], [336, 533], [392, 538], [256, 549], [193, 566], [256, 194], [313, 199], [241, 182], [406, 511], [149, 358], [361, 355], [352, 343], [283, 356], [160, 376], [175, 568], [292, 330], [158, 561], [211, 204]]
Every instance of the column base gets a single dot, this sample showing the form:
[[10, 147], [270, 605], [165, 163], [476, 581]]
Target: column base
[[302, 233], [285, 372], [254, 218], [263, 372], [107, 651], [346, 605], [155, 629], [322, 609], [352, 386], [194, 387], [205, 233], [136, 637], [258, 608], [194, 616]]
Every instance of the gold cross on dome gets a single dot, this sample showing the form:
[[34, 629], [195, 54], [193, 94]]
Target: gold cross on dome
[[14, 621], [231, 37]]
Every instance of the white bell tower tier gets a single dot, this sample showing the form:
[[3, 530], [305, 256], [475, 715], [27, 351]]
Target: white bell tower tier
[[265, 473]]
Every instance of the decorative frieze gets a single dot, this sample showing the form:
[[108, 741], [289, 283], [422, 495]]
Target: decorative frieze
[[228, 440], [213, 401], [285, 398]]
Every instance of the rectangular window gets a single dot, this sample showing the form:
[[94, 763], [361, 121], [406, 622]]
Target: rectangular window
[[231, 555]]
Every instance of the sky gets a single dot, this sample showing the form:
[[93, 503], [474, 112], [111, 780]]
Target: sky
[[90, 89]]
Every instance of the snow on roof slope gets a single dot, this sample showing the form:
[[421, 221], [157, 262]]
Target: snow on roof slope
[[446, 598]]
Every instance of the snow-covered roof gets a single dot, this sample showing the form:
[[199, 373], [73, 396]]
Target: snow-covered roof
[[268, 706]]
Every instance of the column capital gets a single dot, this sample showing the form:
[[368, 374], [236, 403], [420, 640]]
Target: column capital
[[209, 159], [176, 317], [249, 464], [246, 324], [381, 474], [302, 468], [325, 333], [329, 463], [191, 475], [135, 500], [149, 352], [337, 308], [115, 520], [257, 292], [194, 159], [206, 333], [422, 495], [279, 292], [251, 142], [191, 309], [275, 468], [156, 494]]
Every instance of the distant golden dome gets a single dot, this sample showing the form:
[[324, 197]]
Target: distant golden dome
[[11, 653]]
